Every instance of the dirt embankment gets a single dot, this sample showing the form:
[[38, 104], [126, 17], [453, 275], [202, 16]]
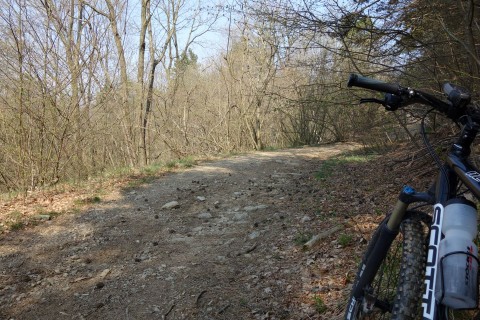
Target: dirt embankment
[[217, 241]]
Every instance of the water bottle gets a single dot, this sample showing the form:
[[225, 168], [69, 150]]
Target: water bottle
[[457, 282]]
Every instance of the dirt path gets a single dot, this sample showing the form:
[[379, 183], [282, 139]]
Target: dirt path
[[226, 250]]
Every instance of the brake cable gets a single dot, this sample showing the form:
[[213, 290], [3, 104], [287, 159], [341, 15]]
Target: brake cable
[[429, 147]]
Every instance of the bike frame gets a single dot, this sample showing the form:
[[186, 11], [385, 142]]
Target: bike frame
[[456, 169]]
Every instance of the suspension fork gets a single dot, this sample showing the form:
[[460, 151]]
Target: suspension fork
[[387, 233]]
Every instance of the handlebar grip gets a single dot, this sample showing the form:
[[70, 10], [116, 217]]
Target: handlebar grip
[[369, 83]]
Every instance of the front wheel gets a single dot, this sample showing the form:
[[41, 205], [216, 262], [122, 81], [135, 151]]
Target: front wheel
[[397, 287]]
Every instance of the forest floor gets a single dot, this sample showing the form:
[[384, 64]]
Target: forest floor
[[224, 239]]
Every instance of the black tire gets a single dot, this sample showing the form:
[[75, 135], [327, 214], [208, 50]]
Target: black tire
[[398, 285]]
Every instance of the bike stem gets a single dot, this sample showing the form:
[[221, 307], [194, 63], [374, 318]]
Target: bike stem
[[461, 147]]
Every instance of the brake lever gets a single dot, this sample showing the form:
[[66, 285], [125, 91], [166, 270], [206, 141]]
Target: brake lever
[[391, 102]]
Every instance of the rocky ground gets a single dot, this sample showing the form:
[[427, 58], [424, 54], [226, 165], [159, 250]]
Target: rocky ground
[[222, 240]]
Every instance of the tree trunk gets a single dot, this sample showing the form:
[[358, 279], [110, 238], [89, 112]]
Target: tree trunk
[[148, 110]]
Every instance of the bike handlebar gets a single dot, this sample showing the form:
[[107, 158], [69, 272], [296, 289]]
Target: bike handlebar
[[403, 96], [373, 84]]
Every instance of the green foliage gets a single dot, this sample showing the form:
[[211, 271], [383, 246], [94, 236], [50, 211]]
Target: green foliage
[[345, 239], [302, 238], [171, 164], [186, 162], [320, 306], [14, 221], [117, 172], [187, 59], [18, 225], [149, 173], [51, 214], [243, 302], [152, 169], [329, 166], [88, 200]]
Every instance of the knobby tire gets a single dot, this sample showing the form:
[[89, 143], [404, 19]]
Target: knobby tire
[[399, 283]]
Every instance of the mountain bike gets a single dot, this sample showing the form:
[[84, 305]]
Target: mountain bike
[[418, 265]]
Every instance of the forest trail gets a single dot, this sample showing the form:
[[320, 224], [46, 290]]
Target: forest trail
[[221, 240]]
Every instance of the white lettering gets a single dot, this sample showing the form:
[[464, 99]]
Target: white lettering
[[428, 300], [474, 175], [351, 307]]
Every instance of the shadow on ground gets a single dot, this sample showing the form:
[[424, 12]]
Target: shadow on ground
[[226, 250]]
